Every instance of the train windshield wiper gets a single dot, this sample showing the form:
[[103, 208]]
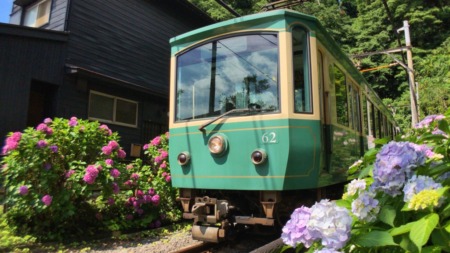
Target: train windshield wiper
[[201, 128]]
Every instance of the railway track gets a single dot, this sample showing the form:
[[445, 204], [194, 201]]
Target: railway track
[[250, 242]]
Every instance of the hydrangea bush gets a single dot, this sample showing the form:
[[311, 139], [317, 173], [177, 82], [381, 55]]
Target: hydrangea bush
[[51, 172], [67, 178], [396, 201]]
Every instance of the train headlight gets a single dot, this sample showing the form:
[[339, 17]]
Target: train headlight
[[183, 158], [217, 144], [258, 156]]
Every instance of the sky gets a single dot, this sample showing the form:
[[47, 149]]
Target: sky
[[5, 10]]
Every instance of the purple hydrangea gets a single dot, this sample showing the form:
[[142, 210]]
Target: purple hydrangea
[[428, 120], [111, 201], [41, 143], [54, 148], [417, 184], [394, 165], [330, 223], [47, 200], [23, 190], [295, 231], [115, 188], [151, 191], [326, 250], [366, 207]]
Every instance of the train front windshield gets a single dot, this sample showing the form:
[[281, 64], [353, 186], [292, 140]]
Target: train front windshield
[[229, 73]]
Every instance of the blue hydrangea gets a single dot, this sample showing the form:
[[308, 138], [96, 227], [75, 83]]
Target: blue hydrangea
[[330, 223], [295, 231], [394, 165], [417, 184], [366, 207]]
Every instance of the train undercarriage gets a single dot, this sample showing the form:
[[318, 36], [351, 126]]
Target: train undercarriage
[[218, 215]]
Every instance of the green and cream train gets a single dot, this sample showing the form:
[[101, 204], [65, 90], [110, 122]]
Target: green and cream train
[[265, 111]]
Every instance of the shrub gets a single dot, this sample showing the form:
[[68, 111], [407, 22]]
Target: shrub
[[68, 178], [396, 202], [52, 172]]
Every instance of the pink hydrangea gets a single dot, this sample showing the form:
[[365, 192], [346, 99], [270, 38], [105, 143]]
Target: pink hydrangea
[[121, 154], [89, 179], [73, 121], [129, 166], [115, 173], [134, 176], [48, 120], [151, 191], [168, 179], [156, 141], [106, 129], [113, 144], [107, 150], [145, 147], [163, 165], [69, 173], [12, 142], [109, 162], [47, 200], [164, 154], [155, 199]]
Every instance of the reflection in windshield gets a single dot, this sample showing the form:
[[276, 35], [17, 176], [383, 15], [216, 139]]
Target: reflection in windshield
[[227, 74]]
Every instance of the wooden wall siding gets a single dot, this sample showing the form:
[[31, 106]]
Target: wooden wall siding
[[37, 56], [58, 15], [128, 40]]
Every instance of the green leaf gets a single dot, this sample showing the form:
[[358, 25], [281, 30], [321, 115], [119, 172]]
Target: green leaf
[[421, 229], [403, 229], [375, 239], [387, 215]]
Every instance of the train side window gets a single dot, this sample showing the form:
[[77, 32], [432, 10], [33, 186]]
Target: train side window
[[341, 97], [302, 86]]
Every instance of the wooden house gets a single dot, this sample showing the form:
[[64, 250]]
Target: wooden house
[[100, 60]]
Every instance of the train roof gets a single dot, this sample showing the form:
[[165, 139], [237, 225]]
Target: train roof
[[276, 20]]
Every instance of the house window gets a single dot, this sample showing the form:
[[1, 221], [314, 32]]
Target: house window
[[111, 109], [38, 14]]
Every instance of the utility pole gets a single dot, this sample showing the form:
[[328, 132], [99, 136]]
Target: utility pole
[[410, 70]]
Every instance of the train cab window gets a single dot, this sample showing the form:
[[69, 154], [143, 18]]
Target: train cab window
[[302, 86], [229, 73], [341, 96]]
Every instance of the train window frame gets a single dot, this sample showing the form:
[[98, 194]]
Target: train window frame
[[115, 109], [302, 85], [178, 119], [344, 118]]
